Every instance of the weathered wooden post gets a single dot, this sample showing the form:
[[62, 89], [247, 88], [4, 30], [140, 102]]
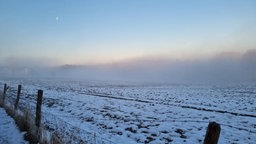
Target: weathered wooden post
[[212, 133], [4, 92], [38, 107], [18, 97]]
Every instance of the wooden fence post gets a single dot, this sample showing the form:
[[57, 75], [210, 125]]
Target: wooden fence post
[[38, 107], [18, 97], [4, 92], [212, 134]]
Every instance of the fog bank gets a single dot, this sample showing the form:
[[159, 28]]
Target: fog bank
[[225, 67]]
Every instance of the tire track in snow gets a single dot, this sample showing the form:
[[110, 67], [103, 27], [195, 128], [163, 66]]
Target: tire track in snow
[[182, 106]]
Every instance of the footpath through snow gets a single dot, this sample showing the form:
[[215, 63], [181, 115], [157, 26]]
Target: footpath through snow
[[9, 132]]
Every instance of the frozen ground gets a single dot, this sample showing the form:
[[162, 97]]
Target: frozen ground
[[136, 113], [9, 133]]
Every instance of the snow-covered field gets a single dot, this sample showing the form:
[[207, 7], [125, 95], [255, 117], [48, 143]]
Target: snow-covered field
[[9, 132], [143, 113]]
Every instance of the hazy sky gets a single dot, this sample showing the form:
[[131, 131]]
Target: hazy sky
[[94, 31]]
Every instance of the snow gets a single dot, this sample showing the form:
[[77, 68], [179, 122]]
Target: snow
[[135, 113], [9, 133]]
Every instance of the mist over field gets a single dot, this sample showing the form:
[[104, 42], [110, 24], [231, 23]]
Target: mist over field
[[225, 67]]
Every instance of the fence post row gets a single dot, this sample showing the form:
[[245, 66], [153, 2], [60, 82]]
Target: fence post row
[[38, 107], [18, 96], [212, 133]]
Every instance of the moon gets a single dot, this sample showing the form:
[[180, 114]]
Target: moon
[[56, 18]]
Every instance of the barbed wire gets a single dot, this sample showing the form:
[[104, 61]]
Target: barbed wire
[[26, 106]]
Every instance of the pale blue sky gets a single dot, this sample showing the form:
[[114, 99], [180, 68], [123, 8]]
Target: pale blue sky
[[99, 31]]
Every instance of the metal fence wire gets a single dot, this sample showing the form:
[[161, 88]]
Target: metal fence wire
[[56, 126]]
